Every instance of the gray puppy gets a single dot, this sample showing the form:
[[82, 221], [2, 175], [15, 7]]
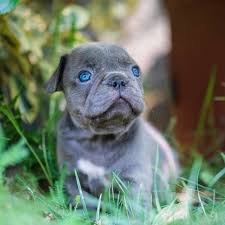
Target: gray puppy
[[101, 131]]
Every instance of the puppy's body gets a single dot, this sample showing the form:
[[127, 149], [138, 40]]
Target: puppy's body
[[131, 155], [101, 131]]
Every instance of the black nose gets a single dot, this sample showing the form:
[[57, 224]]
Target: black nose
[[117, 81]]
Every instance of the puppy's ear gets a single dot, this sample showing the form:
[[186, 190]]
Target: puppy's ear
[[55, 82]]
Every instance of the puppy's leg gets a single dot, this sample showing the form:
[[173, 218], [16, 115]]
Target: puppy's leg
[[136, 186], [73, 191]]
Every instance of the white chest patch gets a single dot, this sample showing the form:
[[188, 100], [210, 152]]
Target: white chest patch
[[89, 168]]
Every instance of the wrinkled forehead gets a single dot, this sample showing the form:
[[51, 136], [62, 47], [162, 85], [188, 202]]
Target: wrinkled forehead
[[99, 55]]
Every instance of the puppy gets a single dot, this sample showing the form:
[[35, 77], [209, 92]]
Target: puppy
[[101, 131]]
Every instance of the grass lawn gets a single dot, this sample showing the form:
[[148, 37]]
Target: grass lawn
[[32, 192]]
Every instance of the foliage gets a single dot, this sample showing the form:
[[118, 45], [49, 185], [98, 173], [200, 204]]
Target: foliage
[[31, 44], [9, 157], [108, 16]]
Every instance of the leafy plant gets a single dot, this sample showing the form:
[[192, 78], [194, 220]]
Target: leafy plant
[[10, 156], [24, 65]]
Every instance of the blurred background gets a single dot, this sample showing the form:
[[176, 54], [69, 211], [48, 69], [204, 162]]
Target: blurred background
[[180, 46]]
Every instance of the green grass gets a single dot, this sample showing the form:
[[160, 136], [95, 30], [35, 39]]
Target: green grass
[[24, 202], [33, 192], [29, 206]]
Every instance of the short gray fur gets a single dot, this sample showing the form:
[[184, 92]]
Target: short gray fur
[[101, 131]]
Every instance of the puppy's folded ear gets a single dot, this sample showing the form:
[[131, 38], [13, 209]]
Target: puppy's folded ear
[[55, 82]]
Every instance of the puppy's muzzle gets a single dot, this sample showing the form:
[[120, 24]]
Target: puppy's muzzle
[[116, 80]]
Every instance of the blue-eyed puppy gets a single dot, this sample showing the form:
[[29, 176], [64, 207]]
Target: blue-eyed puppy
[[101, 131]]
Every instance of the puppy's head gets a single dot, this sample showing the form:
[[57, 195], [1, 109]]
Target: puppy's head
[[102, 86]]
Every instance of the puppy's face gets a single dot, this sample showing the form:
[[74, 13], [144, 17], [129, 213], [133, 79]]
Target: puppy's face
[[102, 85]]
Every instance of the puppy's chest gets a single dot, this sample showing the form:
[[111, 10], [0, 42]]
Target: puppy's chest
[[102, 154], [111, 155]]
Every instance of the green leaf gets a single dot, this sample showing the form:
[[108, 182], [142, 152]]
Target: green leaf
[[7, 5], [14, 155]]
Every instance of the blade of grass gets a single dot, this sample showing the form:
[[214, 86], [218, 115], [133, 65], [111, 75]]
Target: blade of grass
[[205, 108], [81, 193], [118, 209], [214, 200], [112, 197], [97, 219], [220, 98], [202, 186], [158, 207], [217, 177], [126, 208], [192, 183], [2, 139], [45, 155], [198, 193], [223, 156], [120, 183]]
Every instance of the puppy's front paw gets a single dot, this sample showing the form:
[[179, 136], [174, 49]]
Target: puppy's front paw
[[96, 178]]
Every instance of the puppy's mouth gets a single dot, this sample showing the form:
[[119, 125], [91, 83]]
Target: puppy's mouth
[[107, 109], [119, 113]]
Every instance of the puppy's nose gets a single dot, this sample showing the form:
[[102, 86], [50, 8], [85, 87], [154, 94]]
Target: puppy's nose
[[117, 81]]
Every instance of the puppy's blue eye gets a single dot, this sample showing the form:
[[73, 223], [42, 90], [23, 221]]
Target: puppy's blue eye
[[136, 71], [84, 76]]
